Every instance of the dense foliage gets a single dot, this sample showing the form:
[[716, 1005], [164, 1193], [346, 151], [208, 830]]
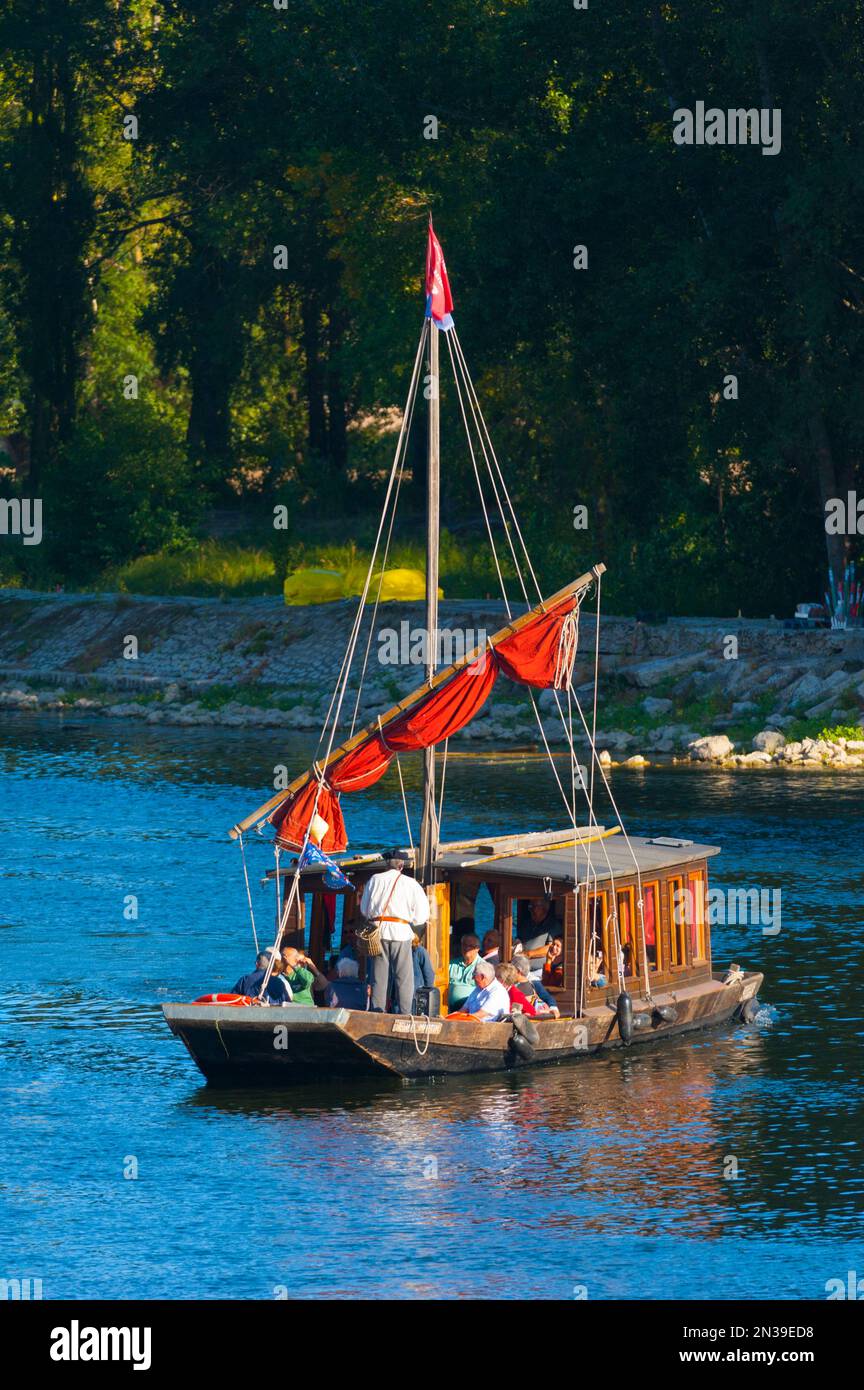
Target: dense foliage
[[162, 363]]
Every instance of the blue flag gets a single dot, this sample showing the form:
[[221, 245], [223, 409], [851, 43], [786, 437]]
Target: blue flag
[[334, 878]]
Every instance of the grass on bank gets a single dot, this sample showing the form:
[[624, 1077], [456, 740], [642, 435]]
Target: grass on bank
[[213, 569], [219, 569]]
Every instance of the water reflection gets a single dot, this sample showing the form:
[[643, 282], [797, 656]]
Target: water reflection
[[612, 1171]]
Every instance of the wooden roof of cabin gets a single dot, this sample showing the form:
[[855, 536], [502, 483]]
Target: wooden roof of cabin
[[609, 856], [537, 855]]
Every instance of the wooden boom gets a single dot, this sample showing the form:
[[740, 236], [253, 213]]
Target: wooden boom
[[415, 696]]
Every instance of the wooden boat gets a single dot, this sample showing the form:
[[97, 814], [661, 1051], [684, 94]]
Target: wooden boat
[[296, 1044], [637, 904]]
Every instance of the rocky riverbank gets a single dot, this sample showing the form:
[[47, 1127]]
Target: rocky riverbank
[[715, 692]]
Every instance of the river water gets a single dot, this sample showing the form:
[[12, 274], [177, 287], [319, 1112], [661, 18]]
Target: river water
[[612, 1177]]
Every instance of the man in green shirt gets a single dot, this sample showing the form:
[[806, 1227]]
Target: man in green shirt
[[301, 974], [461, 982]]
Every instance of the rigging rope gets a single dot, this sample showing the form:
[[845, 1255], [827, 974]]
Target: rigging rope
[[497, 564], [569, 651], [485, 428], [278, 903], [248, 892], [567, 646], [410, 416], [345, 670], [477, 478], [405, 804], [443, 776], [504, 523], [395, 471]]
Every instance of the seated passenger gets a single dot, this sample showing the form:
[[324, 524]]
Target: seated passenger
[[424, 970], [489, 1001], [348, 949], [536, 925], [463, 926], [596, 973], [491, 948], [506, 975], [347, 991], [250, 985], [462, 972], [553, 968], [536, 992], [301, 974]]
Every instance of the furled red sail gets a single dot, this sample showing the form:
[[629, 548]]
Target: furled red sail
[[527, 651], [530, 655], [438, 715]]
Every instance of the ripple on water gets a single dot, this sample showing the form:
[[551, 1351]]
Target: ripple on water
[[719, 1166]]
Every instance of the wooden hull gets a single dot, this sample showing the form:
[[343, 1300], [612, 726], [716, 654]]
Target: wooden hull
[[297, 1044]]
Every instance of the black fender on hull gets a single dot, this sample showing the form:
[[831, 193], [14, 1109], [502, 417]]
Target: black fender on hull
[[624, 1013], [525, 1037], [749, 1009], [664, 1013]]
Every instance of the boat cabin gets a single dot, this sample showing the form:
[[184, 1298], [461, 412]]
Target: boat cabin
[[631, 912]]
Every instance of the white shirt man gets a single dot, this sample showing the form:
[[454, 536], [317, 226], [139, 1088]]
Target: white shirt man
[[489, 1001], [398, 903], [398, 900]]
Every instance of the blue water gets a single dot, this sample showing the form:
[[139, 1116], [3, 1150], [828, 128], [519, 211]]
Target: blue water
[[607, 1174]]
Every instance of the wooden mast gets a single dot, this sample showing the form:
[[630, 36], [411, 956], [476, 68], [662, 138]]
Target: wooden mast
[[429, 829]]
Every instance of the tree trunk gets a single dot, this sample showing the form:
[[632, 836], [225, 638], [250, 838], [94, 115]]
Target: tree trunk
[[209, 430], [215, 363], [55, 220], [316, 433], [337, 405], [837, 546]]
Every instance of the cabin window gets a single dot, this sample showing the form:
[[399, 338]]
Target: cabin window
[[650, 920], [599, 954], [696, 915], [536, 921], [677, 921], [627, 933], [472, 909]]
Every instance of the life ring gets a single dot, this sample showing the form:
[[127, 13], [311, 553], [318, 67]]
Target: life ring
[[233, 1000]]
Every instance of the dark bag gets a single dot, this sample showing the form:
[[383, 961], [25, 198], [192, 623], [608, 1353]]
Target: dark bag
[[427, 1002]]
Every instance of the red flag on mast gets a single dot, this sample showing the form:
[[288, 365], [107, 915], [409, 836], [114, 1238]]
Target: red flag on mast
[[439, 300]]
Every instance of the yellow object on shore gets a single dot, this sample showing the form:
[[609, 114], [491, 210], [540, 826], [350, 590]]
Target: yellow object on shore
[[400, 586], [314, 586], [328, 586]]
